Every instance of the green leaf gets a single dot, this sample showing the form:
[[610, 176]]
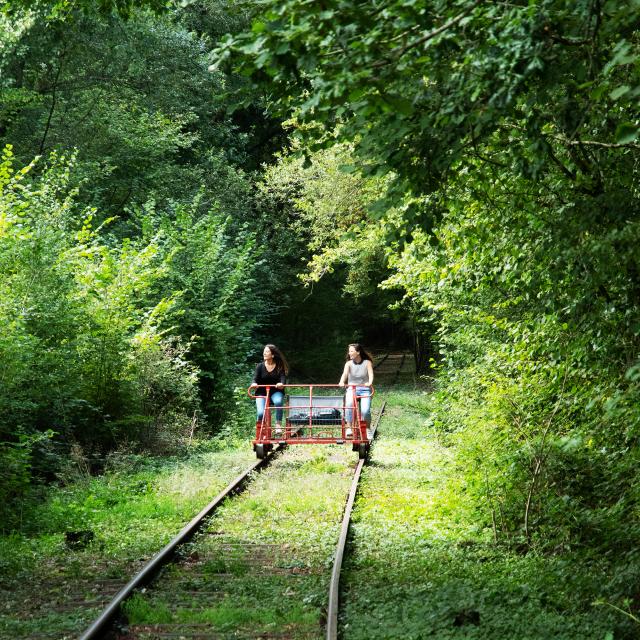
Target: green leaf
[[399, 104], [621, 56], [599, 91], [619, 91], [626, 132]]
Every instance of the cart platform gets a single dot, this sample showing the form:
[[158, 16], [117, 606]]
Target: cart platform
[[312, 414]]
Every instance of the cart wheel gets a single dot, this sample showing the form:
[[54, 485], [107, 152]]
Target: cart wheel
[[260, 451], [363, 449], [354, 447]]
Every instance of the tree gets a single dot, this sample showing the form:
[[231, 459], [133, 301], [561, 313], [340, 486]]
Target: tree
[[421, 87], [318, 211], [65, 8], [508, 132]]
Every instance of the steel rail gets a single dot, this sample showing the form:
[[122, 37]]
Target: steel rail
[[399, 371], [148, 571], [384, 357], [334, 587]]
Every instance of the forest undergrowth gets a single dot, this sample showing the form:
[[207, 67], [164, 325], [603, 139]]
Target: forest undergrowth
[[423, 557], [425, 562], [90, 534]]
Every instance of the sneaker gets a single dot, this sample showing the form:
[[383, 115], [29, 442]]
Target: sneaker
[[278, 430], [349, 432]]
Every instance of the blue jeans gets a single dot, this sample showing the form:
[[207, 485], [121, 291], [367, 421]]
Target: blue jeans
[[276, 399], [363, 394]]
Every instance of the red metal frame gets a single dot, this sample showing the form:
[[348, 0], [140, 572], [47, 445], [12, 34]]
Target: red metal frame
[[310, 433]]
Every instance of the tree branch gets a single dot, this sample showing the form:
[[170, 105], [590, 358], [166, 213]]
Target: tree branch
[[397, 53], [596, 143], [53, 104]]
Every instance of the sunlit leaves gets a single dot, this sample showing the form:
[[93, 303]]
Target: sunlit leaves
[[64, 8], [487, 67]]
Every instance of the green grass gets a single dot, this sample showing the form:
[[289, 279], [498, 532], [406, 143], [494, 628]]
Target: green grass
[[264, 563], [229, 615], [132, 511], [423, 563]]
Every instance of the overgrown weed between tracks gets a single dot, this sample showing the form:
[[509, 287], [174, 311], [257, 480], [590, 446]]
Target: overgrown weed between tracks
[[263, 565]]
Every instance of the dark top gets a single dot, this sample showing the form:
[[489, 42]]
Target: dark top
[[262, 376]]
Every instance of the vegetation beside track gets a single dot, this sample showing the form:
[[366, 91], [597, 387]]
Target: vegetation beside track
[[462, 176], [88, 537], [424, 563]]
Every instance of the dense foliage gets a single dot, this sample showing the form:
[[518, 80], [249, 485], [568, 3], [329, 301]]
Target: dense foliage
[[106, 343], [143, 260], [472, 165], [136, 100], [464, 171], [128, 260], [336, 248], [507, 132]]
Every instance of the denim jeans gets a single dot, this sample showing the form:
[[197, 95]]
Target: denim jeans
[[276, 399], [363, 394]]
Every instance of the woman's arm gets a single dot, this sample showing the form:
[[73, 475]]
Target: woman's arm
[[345, 374], [370, 372]]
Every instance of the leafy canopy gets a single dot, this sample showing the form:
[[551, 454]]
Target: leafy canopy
[[421, 85]]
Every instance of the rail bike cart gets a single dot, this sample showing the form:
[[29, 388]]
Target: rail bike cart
[[312, 414]]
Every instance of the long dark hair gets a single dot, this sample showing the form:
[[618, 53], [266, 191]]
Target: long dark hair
[[360, 349], [279, 359]]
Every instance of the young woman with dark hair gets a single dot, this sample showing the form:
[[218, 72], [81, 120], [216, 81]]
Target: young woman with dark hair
[[272, 371], [358, 371]]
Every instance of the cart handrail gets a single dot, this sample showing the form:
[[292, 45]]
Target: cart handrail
[[303, 386]]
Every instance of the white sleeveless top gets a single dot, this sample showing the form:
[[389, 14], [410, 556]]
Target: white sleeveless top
[[358, 373]]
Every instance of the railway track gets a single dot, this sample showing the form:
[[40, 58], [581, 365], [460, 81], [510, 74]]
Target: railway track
[[150, 569], [236, 554], [334, 588]]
